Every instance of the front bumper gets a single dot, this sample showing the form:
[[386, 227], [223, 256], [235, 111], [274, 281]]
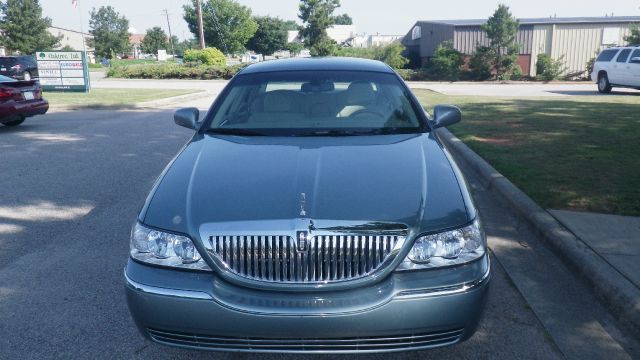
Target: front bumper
[[406, 311]]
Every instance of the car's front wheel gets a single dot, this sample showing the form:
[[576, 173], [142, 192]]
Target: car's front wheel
[[27, 76], [14, 122], [604, 86]]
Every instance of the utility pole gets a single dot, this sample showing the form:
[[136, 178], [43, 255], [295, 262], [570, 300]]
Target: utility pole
[[200, 26], [173, 52]]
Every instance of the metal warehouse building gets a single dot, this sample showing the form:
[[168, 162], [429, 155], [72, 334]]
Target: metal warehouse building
[[577, 39]]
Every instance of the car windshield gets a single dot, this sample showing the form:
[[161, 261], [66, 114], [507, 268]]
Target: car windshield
[[316, 103]]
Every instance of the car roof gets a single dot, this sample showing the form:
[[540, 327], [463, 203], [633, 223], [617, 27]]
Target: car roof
[[318, 63]]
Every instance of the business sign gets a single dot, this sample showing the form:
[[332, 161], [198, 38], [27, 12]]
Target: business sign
[[63, 70]]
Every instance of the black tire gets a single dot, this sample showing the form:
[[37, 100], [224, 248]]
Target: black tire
[[27, 76], [14, 122], [604, 86]]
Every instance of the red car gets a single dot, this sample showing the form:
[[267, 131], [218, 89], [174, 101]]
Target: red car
[[20, 100]]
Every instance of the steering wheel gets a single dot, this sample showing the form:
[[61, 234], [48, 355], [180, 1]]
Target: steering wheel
[[366, 112]]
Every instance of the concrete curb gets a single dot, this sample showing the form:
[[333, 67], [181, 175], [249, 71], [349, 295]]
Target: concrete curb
[[620, 296]]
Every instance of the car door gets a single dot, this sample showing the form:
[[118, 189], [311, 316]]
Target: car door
[[618, 73], [634, 67]]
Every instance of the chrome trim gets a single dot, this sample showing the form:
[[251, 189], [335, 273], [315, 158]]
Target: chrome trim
[[184, 294], [331, 257], [444, 291]]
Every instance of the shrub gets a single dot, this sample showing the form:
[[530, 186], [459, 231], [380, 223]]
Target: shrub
[[480, 64], [173, 71], [446, 62], [208, 56], [516, 73], [548, 68], [390, 54]]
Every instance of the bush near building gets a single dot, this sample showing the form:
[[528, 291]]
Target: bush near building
[[208, 56], [390, 54], [549, 68], [446, 62]]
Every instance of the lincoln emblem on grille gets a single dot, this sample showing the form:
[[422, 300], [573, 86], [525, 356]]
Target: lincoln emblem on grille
[[303, 240]]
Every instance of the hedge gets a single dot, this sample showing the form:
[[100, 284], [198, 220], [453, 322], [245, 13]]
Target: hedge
[[173, 71]]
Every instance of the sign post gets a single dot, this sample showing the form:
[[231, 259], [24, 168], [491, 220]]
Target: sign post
[[63, 71]]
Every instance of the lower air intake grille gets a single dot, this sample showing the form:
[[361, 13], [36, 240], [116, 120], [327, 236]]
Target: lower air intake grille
[[335, 345]]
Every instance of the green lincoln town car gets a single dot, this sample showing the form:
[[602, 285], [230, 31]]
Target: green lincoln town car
[[314, 210]]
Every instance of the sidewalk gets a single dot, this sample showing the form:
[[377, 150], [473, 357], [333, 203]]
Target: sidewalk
[[614, 238]]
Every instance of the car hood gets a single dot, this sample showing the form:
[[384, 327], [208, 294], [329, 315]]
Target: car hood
[[404, 180]]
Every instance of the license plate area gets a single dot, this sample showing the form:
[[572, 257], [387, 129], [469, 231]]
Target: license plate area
[[28, 95]]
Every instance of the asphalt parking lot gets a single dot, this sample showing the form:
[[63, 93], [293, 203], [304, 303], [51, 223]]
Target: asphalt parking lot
[[71, 184]]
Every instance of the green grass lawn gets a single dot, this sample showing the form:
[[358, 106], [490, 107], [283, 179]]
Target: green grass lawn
[[111, 97], [577, 153]]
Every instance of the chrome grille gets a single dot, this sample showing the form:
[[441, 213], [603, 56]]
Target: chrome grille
[[328, 257]]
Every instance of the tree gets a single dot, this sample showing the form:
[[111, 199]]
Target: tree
[[155, 39], [343, 19], [446, 62], [501, 29], [480, 64], [181, 46], [294, 48], [291, 25], [634, 37], [24, 29], [227, 25], [67, 48], [317, 16], [391, 54], [110, 32], [270, 37]]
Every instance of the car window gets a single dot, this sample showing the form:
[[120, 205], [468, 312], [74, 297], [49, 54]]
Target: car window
[[7, 61], [312, 102], [607, 55], [636, 54], [624, 55]]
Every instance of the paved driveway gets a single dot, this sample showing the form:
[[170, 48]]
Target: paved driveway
[[71, 184]]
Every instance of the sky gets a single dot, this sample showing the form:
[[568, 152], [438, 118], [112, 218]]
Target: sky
[[369, 16]]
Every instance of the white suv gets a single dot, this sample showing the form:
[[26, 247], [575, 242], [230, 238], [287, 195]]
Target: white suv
[[619, 66]]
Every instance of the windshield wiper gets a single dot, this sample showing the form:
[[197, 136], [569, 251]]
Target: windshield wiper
[[332, 133], [232, 131]]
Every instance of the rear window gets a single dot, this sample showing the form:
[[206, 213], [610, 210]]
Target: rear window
[[624, 55], [7, 61], [607, 55], [636, 54]]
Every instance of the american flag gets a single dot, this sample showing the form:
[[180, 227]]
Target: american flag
[[74, 3]]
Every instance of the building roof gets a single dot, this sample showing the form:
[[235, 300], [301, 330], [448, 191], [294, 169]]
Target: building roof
[[549, 20], [70, 30], [136, 39], [316, 64]]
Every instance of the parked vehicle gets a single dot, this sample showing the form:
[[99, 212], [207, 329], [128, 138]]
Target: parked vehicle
[[617, 67], [20, 100], [22, 67], [315, 210]]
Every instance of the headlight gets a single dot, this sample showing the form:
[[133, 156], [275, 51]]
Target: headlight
[[445, 249], [161, 248]]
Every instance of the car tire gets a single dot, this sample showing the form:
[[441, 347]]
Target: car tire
[[14, 122], [604, 86], [27, 76]]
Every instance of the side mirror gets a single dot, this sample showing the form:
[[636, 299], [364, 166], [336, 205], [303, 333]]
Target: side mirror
[[635, 60], [445, 115], [187, 118]]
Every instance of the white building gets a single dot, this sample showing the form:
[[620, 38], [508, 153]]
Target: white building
[[74, 39], [368, 41]]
